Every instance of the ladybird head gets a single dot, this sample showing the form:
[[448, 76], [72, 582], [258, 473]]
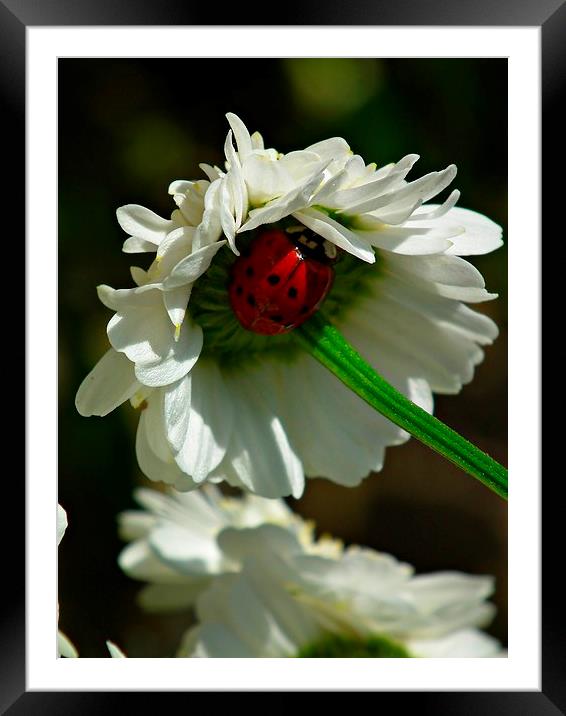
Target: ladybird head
[[312, 245]]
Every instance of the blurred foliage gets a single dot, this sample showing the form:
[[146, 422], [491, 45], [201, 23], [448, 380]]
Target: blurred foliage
[[127, 128]]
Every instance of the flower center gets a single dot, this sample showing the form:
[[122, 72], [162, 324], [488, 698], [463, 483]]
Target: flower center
[[232, 281], [373, 647]]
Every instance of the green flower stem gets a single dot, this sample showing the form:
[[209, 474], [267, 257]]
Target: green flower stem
[[328, 346]]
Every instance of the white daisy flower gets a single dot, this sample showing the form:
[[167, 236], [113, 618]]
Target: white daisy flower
[[285, 602], [221, 401], [173, 543], [64, 646]]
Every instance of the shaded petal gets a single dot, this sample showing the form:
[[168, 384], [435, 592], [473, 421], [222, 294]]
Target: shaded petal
[[152, 451], [397, 337], [176, 411], [275, 470], [442, 275], [210, 422], [337, 435]]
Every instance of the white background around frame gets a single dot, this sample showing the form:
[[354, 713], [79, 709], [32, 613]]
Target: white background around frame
[[521, 670]]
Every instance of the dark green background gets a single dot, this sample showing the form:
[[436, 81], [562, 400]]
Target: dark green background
[[127, 128]]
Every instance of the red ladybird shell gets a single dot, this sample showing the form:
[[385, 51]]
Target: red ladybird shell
[[275, 286]]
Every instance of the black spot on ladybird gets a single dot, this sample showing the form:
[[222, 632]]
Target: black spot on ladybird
[[251, 299], [239, 290], [273, 279], [304, 309], [277, 318], [292, 292], [250, 271]]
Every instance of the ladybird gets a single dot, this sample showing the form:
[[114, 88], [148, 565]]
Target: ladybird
[[281, 279]]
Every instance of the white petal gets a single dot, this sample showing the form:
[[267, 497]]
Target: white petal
[[180, 186], [213, 173], [135, 245], [288, 204], [143, 223], [172, 249], [120, 298], [448, 276], [468, 643], [336, 233], [227, 220], [176, 411], [61, 523], [110, 383], [154, 456], [142, 330], [400, 240], [176, 302], [257, 141], [139, 275], [241, 134], [478, 235], [210, 422], [139, 561], [435, 211], [64, 647], [210, 228], [187, 551], [209, 641], [361, 198], [181, 357], [334, 148], [190, 268], [115, 652], [266, 179], [134, 524], [420, 190], [189, 197], [299, 165]]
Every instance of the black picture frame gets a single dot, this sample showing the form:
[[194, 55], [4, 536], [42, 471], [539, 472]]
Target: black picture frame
[[15, 16]]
